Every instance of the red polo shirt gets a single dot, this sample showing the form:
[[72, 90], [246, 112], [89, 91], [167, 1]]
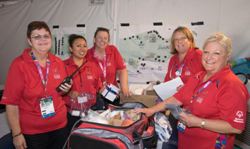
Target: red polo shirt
[[114, 62], [224, 98], [87, 80], [24, 88], [190, 65]]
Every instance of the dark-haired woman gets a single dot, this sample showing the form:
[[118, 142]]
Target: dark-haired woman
[[86, 81]]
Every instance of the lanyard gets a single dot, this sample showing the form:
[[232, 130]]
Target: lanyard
[[178, 72], [202, 88], [44, 80], [103, 66]]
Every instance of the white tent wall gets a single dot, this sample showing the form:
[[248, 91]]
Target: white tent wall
[[228, 16]]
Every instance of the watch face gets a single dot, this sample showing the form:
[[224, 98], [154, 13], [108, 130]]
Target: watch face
[[202, 124]]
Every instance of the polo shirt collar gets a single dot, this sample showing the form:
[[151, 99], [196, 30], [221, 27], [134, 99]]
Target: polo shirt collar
[[26, 56]]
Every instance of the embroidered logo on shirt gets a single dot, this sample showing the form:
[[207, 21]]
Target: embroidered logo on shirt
[[187, 73], [199, 99], [56, 74], [239, 117], [108, 63], [89, 76]]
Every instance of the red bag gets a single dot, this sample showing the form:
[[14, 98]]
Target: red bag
[[90, 135]]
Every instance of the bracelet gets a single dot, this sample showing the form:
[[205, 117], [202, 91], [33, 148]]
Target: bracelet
[[20, 133]]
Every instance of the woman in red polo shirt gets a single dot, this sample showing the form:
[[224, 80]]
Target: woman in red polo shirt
[[86, 81], [109, 60], [214, 101], [35, 110], [185, 62], [186, 59]]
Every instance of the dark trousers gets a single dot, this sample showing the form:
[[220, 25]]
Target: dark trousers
[[71, 122], [49, 140], [6, 142]]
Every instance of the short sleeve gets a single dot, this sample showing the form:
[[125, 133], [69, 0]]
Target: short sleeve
[[14, 85], [120, 64], [185, 94], [232, 103]]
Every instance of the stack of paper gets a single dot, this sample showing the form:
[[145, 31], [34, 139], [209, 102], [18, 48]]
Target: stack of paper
[[167, 89]]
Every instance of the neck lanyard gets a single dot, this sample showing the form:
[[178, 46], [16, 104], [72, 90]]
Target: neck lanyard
[[103, 66], [178, 72], [44, 80], [202, 88]]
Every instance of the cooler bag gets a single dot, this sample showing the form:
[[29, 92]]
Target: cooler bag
[[137, 135]]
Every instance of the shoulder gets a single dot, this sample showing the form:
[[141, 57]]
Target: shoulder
[[67, 61], [230, 79], [22, 59], [173, 57], [111, 48], [196, 52], [90, 53], [54, 58], [230, 82], [18, 62]]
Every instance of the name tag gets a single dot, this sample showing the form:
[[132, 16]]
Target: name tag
[[82, 99], [47, 107], [181, 127]]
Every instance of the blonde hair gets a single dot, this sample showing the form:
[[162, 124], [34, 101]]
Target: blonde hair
[[222, 39]]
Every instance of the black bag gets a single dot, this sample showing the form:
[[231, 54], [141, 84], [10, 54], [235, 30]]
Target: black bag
[[102, 103]]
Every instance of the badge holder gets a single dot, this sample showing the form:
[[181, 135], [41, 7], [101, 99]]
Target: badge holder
[[110, 92], [176, 110], [181, 127], [47, 107], [81, 108]]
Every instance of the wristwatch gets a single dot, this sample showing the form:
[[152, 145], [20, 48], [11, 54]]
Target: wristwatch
[[203, 123]]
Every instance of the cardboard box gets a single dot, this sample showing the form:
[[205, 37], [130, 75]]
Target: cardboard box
[[151, 92], [148, 100]]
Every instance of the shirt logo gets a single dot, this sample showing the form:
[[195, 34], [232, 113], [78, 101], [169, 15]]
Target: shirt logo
[[187, 73], [239, 117], [90, 77], [199, 99], [108, 63], [56, 74]]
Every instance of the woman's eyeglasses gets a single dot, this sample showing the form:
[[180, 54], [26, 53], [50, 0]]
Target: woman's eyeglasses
[[40, 37], [180, 39]]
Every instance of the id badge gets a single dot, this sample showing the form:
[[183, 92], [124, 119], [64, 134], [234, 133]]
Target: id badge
[[181, 127], [82, 99], [47, 107], [178, 73], [75, 113]]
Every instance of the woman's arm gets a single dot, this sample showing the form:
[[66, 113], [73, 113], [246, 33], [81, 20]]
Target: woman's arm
[[219, 126], [123, 77], [12, 112], [159, 107]]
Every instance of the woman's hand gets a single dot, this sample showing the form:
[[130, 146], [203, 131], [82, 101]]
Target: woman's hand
[[126, 92], [179, 87], [147, 111], [65, 88], [73, 94], [190, 120], [19, 142]]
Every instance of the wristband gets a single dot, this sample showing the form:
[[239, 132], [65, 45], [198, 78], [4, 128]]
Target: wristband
[[20, 133]]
